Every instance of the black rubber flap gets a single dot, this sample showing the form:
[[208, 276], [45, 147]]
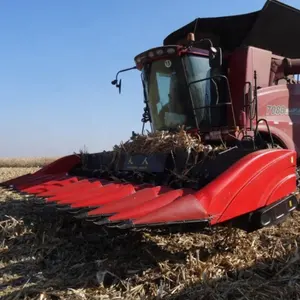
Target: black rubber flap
[[276, 27]]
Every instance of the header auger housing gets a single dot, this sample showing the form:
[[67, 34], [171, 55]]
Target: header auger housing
[[223, 143]]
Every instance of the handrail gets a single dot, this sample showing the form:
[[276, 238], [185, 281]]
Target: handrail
[[217, 102]]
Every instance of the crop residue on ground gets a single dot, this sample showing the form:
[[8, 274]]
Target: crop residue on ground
[[45, 255]]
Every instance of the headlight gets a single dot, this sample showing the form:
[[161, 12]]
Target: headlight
[[150, 54], [170, 50], [159, 52]]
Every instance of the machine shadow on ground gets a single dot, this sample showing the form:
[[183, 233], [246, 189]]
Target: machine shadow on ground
[[47, 251], [44, 248]]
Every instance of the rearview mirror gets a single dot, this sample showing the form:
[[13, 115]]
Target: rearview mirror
[[115, 81], [118, 85], [215, 57]]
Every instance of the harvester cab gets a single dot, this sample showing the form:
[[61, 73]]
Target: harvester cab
[[183, 85], [208, 159]]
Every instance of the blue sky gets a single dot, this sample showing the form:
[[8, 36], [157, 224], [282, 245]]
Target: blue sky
[[59, 57]]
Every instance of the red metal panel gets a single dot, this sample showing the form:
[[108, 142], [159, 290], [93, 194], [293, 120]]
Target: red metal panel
[[61, 165], [71, 193], [186, 208], [128, 202], [37, 179], [107, 197], [283, 187], [271, 183], [50, 185], [17, 180], [139, 209], [252, 172], [90, 194], [65, 190], [27, 180]]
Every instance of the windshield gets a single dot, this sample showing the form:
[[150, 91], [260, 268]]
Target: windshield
[[197, 68], [172, 103], [206, 92], [168, 95]]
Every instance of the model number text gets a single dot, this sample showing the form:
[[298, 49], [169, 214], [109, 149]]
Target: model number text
[[276, 110]]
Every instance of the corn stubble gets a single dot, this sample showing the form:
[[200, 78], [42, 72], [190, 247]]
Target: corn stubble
[[171, 142], [166, 142], [48, 256], [45, 256]]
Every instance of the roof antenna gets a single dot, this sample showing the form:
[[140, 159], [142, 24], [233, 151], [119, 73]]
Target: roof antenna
[[191, 36], [195, 27]]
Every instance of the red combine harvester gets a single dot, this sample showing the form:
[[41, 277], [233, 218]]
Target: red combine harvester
[[229, 80]]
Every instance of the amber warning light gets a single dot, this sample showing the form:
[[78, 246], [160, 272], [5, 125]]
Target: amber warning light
[[190, 37]]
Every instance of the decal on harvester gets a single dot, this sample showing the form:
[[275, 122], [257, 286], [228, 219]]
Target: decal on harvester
[[294, 111], [144, 162], [282, 110], [151, 163], [168, 63], [276, 110]]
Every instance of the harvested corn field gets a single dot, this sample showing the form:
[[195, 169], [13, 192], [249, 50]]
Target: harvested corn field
[[44, 256], [25, 162]]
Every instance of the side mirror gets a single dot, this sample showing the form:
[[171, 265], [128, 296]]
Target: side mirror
[[215, 57], [115, 81], [118, 85]]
